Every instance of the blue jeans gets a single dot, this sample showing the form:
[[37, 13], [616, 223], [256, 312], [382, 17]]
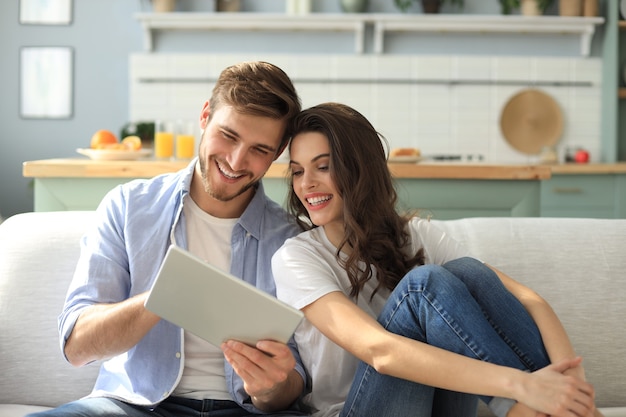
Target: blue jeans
[[171, 407], [462, 307]]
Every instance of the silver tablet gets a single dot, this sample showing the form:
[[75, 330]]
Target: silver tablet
[[216, 305]]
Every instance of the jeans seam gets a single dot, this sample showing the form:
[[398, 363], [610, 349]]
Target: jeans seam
[[523, 356], [459, 333]]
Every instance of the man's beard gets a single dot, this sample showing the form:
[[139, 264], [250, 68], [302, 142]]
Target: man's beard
[[221, 196]]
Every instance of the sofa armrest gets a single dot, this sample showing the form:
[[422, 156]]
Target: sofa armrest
[[38, 254]]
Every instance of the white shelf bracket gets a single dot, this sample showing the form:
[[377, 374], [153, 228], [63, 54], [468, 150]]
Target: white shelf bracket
[[359, 38], [379, 37], [147, 38]]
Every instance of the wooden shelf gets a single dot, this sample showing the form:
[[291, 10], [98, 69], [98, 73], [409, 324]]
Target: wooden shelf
[[381, 23], [621, 93], [621, 24]]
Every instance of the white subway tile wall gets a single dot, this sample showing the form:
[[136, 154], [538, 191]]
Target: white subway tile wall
[[441, 104]]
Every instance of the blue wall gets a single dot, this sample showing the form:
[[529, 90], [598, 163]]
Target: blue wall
[[102, 34]]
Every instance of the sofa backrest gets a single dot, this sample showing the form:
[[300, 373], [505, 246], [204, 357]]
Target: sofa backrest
[[38, 253], [579, 267]]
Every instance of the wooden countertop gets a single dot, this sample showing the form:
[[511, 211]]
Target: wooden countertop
[[479, 171], [574, 169], [146, 168], [87, 168]]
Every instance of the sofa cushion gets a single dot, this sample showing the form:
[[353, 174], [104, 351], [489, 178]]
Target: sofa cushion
[[34, 246], [19, 410]]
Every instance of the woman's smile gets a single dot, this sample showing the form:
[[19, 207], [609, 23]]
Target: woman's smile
[[317, 201]]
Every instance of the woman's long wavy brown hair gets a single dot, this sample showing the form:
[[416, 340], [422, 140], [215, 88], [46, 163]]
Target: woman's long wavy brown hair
[[374, 231]]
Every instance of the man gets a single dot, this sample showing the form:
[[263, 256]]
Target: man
[[217, 209]]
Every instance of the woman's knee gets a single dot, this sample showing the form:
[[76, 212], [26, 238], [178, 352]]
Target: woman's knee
[[429, 277], [466, 266], [472, 272]]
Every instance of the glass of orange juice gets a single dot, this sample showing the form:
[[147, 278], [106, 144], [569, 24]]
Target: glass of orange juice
[[186, 139], [163, 140]]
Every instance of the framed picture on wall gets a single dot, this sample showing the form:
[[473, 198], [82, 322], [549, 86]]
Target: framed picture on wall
[[46, 80], [45, 12]]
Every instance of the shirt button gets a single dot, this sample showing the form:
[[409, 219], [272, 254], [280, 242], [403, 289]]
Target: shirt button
[[177, 355]]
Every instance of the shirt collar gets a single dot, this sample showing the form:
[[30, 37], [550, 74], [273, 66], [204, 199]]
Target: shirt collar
[[184, 184], [252, 217]]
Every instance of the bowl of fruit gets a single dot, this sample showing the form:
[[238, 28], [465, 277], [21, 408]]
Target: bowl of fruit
[[105, 146]]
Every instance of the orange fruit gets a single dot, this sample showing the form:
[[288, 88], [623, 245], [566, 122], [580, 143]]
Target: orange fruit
[[102, 138], [132, 143]]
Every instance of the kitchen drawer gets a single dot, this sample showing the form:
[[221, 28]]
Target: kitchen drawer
[[578, 196], [579, 212]]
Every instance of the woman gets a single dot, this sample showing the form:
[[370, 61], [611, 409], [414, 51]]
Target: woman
[[444, 319]]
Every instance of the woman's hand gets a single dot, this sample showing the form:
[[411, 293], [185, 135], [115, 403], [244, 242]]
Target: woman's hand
[[577, 372], [552, 392]]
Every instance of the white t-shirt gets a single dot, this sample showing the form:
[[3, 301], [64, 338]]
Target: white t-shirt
[[305, 269], [208, 238]]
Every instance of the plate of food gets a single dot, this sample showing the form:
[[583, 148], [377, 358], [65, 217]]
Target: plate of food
[[114, 154], [405, 156], [104, 146]]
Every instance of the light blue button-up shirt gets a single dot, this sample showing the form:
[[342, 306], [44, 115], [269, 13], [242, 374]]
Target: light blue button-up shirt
[[120, 257]]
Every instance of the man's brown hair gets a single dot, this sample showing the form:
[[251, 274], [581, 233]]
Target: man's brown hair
[[260, 89]]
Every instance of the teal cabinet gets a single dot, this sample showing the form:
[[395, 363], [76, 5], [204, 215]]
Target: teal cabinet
[[440, 198], [595, 196], [620, 196], [62, 194], [447, 199], [587, 196]]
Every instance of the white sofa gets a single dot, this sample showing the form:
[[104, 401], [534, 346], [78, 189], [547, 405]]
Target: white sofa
[[578, 265]]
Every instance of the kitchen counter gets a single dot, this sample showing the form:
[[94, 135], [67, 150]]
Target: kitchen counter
[[444, 190], [146, 168]]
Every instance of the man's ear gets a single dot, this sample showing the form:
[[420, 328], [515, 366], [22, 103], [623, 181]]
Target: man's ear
[[205, 115]]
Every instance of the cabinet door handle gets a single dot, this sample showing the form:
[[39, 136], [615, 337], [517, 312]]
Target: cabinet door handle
[[567, 190]]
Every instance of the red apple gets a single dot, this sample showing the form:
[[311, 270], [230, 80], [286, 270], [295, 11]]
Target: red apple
[[581, 156]]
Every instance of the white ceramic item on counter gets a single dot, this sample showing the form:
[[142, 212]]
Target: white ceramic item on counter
[[114, 154]]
